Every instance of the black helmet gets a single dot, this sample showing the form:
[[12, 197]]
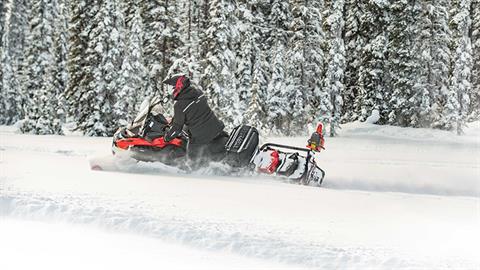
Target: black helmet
[[179, 82]]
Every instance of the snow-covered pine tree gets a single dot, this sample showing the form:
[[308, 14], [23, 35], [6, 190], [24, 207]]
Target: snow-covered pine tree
[[458, 100], [3, 12], [255, 114], [278, 113], [59, 72], [219, 72], [245, 60], [440, 60], [161, 40], [81, 14], [354, 44], [297, 86], [2, 90], [403, 66], [187, 55], [42, 104], [153, 16], [474, 114], [105, 57], [336, 65], [203, 16], [96, 89], [372, 92], [131, 81], [319, 106], [16, 28], [433, 57], [123, 106], [3, 58], [172, 37], [421, 95]]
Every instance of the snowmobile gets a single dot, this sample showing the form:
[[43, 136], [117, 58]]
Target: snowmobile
[[143, 140]]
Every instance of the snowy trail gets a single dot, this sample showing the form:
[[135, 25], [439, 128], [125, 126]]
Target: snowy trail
[[351, 223], [389, 159], [326, 236], [124, 251]]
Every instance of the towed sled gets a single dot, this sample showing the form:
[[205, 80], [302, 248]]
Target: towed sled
[[143, 141]]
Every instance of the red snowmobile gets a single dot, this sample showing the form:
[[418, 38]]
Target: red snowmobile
[[143, 139]]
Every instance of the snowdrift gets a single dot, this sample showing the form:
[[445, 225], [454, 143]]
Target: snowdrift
[[428, 218]]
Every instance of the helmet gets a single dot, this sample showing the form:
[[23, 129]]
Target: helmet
[[179, 82]]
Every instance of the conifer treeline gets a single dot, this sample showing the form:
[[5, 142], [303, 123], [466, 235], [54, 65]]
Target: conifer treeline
[[276, 64]]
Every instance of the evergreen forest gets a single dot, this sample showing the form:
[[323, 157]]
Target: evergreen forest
[[279, 65]]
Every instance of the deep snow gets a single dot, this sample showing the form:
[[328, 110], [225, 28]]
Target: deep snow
[[392, 198], [63, 246]]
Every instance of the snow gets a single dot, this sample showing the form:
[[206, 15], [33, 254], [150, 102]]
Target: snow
[[373, 118], [393, 198], [76, 247]]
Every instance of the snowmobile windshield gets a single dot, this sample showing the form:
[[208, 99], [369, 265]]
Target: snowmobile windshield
[[156, 106], [148, 106], [139, 121]]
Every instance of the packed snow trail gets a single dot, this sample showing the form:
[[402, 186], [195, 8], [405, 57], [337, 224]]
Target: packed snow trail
[[47, 179], [365, 157], [63, 246]]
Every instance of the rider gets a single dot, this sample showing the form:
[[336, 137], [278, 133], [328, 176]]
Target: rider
[[207, 138]]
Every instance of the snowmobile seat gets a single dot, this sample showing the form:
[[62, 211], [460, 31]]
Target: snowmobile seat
[[155, 127]]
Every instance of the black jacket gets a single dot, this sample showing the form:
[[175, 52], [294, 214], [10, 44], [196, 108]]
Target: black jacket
[[191, 109]]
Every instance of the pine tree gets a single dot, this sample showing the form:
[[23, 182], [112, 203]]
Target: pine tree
[[278, 104], [256, 93], [403, 66], [336, 64], [439, 66], [3, 59], [433, 55], [59, 72], [319, 106], [422, 47], [172, 37], [16, 28], [104, 57], [3, 12], [81, 14], [42, 105], [354, 44], [219, 73], [161, 42], [255, 114], [296, 83], [153, 16], [245, 61], [371, 89], [458, 101], [186, 58], [474, 113], [133, 74], [95, 93]]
